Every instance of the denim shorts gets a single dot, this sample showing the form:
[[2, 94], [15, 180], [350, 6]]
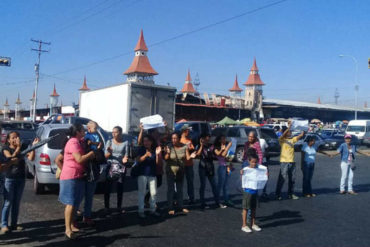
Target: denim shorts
[[71, 191]]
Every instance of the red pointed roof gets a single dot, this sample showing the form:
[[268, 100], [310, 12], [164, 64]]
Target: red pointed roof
[[84, 86], [55, 94], [318, 101], [254, 78], [141, 46], [188, 77], [141, 64], [254, 67], [6, 102], [188, 86], [236, 87]]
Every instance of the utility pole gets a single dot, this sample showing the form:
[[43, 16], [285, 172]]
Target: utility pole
[[336, 96], [37, 71]]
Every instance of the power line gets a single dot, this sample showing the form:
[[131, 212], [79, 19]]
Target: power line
[[179, 35]]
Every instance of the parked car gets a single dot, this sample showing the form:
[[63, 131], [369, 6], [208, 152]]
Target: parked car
[[26, 130], [334, 141], [241, 135], [43, 168], [197, 129]]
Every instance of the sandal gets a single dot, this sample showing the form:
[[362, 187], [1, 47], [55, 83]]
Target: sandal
[[171, 212]]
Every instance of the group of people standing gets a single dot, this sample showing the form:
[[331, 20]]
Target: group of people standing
[[158, 153]]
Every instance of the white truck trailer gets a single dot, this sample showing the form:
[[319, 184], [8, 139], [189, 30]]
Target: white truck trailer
[[124, 104]]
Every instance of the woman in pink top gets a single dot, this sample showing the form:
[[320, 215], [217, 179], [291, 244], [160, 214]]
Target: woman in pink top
[[72, 180]]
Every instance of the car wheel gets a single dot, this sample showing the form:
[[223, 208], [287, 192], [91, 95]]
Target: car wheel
[[37, 187], [28, 173], [239, 154]]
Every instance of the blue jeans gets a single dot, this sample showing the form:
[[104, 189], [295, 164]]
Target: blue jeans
[[287, 172], [223, 178], [211, 179], [307, 170], [13, 190], [89, 195]]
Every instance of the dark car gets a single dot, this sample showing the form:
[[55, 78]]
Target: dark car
[[26, 130], [197, 129], [240, 133], [63, 119], [334, 141]]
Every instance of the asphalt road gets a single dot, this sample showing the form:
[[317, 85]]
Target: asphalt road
[[330, 219]]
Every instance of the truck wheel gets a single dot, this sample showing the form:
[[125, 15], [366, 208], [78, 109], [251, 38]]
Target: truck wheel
[[239, 154], [37, 187]]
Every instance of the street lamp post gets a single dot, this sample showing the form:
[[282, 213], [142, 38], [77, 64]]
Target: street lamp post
[[356, 80]]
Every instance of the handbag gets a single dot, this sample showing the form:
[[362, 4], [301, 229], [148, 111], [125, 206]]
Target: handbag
[[115, 170], [178, 170]]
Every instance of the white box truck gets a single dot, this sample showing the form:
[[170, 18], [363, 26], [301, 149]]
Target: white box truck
[[124, 104]]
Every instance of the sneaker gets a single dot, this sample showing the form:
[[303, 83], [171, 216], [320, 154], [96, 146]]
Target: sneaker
[[342, 192], [307, 195], [352, 193], [142, 215], [246, 229], [293, 197], [220, 205], [256, 228], [313, 195], [229, 203]]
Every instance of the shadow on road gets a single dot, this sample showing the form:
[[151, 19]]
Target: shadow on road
[[280, 218]]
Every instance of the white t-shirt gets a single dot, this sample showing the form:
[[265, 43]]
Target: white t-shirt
[[263, 145]]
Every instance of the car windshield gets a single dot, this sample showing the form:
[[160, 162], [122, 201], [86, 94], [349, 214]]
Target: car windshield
[[59, 141], [355, 128]]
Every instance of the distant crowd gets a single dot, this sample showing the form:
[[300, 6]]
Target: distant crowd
[[85, 159]]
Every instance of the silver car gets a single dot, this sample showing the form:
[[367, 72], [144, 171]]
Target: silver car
[[43, 167]]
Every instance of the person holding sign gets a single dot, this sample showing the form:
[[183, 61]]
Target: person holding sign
[[250, 194], [287, 164]]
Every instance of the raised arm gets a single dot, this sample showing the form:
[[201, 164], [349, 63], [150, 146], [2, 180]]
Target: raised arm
[[300, 135], [286, 131], [140, 137]]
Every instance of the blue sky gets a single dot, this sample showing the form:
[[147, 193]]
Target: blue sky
[[296, 44]]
